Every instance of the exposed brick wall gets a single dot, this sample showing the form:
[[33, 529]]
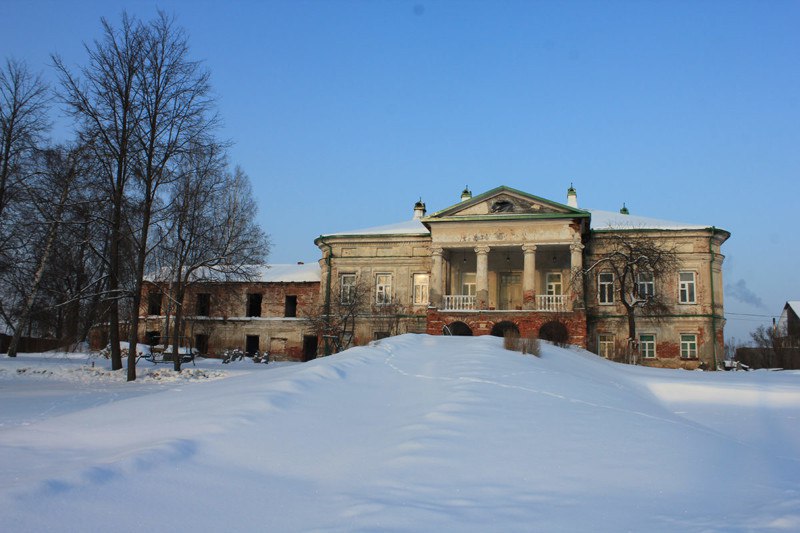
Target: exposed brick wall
[[481, 323]]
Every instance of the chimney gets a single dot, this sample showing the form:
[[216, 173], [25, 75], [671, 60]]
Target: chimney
[[466, 194], [572, 197], [419, 209]]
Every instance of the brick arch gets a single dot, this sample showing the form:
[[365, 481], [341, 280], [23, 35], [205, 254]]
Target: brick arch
[[500, 329], [458, 329]]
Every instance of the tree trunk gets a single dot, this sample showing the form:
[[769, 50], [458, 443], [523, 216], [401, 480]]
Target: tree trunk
[[44, 258]]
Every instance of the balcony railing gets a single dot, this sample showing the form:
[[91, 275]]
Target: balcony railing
[[544, 303], [458, 302], [551, 303]]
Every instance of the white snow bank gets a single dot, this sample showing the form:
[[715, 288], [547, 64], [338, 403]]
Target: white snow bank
[[413, 433]]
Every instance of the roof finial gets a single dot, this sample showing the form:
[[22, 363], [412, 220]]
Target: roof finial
[[466, 194], [624, 210], [419, 209], [572, 196]]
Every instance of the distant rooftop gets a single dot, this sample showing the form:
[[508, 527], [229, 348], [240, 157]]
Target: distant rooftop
[[610, 220]]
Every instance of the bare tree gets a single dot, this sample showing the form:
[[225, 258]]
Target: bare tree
[[335, 321], [49, 195], [23, 120], [104, 102], [212, 233], [637, 263], [176, 113]]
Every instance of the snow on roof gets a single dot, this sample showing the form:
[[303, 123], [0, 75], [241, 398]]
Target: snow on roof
[[609, 220], [274, 273], [408, 227], [289, 273]]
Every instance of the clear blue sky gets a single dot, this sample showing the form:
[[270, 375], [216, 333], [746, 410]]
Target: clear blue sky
[[345, 113]]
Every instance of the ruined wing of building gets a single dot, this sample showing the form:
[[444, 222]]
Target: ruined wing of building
[[500, 261]]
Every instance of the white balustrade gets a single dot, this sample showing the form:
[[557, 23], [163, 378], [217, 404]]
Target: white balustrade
[[552, 303], [458, 302]]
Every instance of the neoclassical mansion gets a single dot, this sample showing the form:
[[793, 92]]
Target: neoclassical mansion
[[500, 260]]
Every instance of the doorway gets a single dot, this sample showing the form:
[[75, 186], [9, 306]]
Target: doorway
[[309, 347], [510, 293], [251, 345]]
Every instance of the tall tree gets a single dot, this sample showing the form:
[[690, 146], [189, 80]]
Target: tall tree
[[104, 102], [212, 234], [23, 121], [49, 196], [173, 94]]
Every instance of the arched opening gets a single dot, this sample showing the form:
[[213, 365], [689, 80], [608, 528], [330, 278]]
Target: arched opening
[[459, 329], [501, 328], [555, 332]]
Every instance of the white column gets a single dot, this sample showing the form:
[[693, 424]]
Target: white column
[[529, 276], [482, 277], [437, 280]]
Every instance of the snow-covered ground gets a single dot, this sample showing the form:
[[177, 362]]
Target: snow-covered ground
[[415, 433]]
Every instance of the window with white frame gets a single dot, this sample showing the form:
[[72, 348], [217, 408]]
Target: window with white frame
[[553, 284], [605, 345], [647, 345], [605, 288], [468, 284], [421, 282], [686, 287], [383, 289], [688, 346], [646, 286], [347, 288]]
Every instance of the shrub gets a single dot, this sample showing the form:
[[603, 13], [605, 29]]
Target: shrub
[[511, 340], [530, 345]]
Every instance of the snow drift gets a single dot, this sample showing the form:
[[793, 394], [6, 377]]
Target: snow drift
[[413, 433]]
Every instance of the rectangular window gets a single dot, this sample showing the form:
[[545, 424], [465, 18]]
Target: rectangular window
[[553, 284], [689, 346], [647, 346], [421, 282], [378, 335], [347, 288], [154, 303], [383, 289], [646, 284], [605, 345], [254, 305], [290, 307], [686, 292], [203, 304], [468, 284], [605, 288]]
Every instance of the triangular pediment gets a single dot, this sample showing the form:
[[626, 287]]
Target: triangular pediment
[[505, 202]]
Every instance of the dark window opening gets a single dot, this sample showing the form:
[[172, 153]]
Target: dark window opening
[[253, 305], [153, 338], [251, 344], [201, 344], [378, 335], [290, 309], [154, 303], [203, 304]]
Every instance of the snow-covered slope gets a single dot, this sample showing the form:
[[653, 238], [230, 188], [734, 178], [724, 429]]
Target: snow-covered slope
[[415, 433]]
